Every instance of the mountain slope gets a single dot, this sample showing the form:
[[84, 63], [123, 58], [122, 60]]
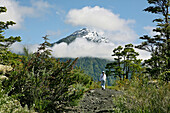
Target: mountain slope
[[83, 33], [92, 66]]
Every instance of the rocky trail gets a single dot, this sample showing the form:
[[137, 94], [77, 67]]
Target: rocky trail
[[96, 101]]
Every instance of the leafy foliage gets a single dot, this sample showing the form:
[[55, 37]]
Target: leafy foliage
[[38, 80], [158, 45], [150, 95], [6, 57], [45, 82], [9, 104], [125, 63]]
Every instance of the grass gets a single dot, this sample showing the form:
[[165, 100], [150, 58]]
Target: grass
[[110, 87], [141, 97]]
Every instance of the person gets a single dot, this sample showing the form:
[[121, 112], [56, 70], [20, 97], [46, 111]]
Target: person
[[103, 80]]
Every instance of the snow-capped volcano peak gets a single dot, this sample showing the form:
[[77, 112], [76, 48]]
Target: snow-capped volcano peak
[[85, 33], [90, 35]]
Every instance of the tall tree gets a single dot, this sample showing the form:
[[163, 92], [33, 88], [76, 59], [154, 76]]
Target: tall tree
[[115, 66], [131, 64], [158, 45]]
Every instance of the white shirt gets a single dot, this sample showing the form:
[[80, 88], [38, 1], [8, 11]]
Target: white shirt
[[103, 77]]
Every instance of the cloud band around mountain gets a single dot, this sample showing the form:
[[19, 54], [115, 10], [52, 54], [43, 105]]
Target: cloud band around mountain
[[79, 48]]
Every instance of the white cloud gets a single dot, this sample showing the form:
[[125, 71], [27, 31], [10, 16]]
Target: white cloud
[[18, 48], [79, 48], [122, 36], [17, 13], [82, 48], [116, 28], [95, 17]]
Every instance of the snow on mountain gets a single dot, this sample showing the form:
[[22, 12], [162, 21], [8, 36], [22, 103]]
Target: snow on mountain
[[91, 36], [84, 33]]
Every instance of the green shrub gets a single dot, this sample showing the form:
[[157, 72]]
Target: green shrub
[[9, 104], [144, 97], [76, 92], [44, 83], [95, 85]]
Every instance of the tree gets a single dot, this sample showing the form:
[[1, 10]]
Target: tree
[[125, 63], [131, 64], [5, 43], [116, 65], [158, 45]]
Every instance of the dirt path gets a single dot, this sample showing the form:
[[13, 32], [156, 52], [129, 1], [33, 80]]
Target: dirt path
[[97, 101]]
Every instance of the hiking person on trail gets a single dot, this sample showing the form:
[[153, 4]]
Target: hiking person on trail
[[103, 80]]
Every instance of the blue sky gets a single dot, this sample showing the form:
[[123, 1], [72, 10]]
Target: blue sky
[[122, 21]]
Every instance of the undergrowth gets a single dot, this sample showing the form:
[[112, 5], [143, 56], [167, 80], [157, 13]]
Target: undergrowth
[[143, 96]]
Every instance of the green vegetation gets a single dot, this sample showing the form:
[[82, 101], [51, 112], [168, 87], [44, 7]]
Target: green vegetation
[[142, 96], [92, 67], [158, 45], [38, 82], [125, 65], [9, 104], [6, 57], [148, 89], [46, 84]]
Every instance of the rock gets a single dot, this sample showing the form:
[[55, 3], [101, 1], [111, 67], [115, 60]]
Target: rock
[[5, 68], [2, 77], [92, 91]]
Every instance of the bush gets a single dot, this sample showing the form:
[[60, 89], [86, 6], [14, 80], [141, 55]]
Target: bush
[[44, 83], [9, 104], [143, 97]]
